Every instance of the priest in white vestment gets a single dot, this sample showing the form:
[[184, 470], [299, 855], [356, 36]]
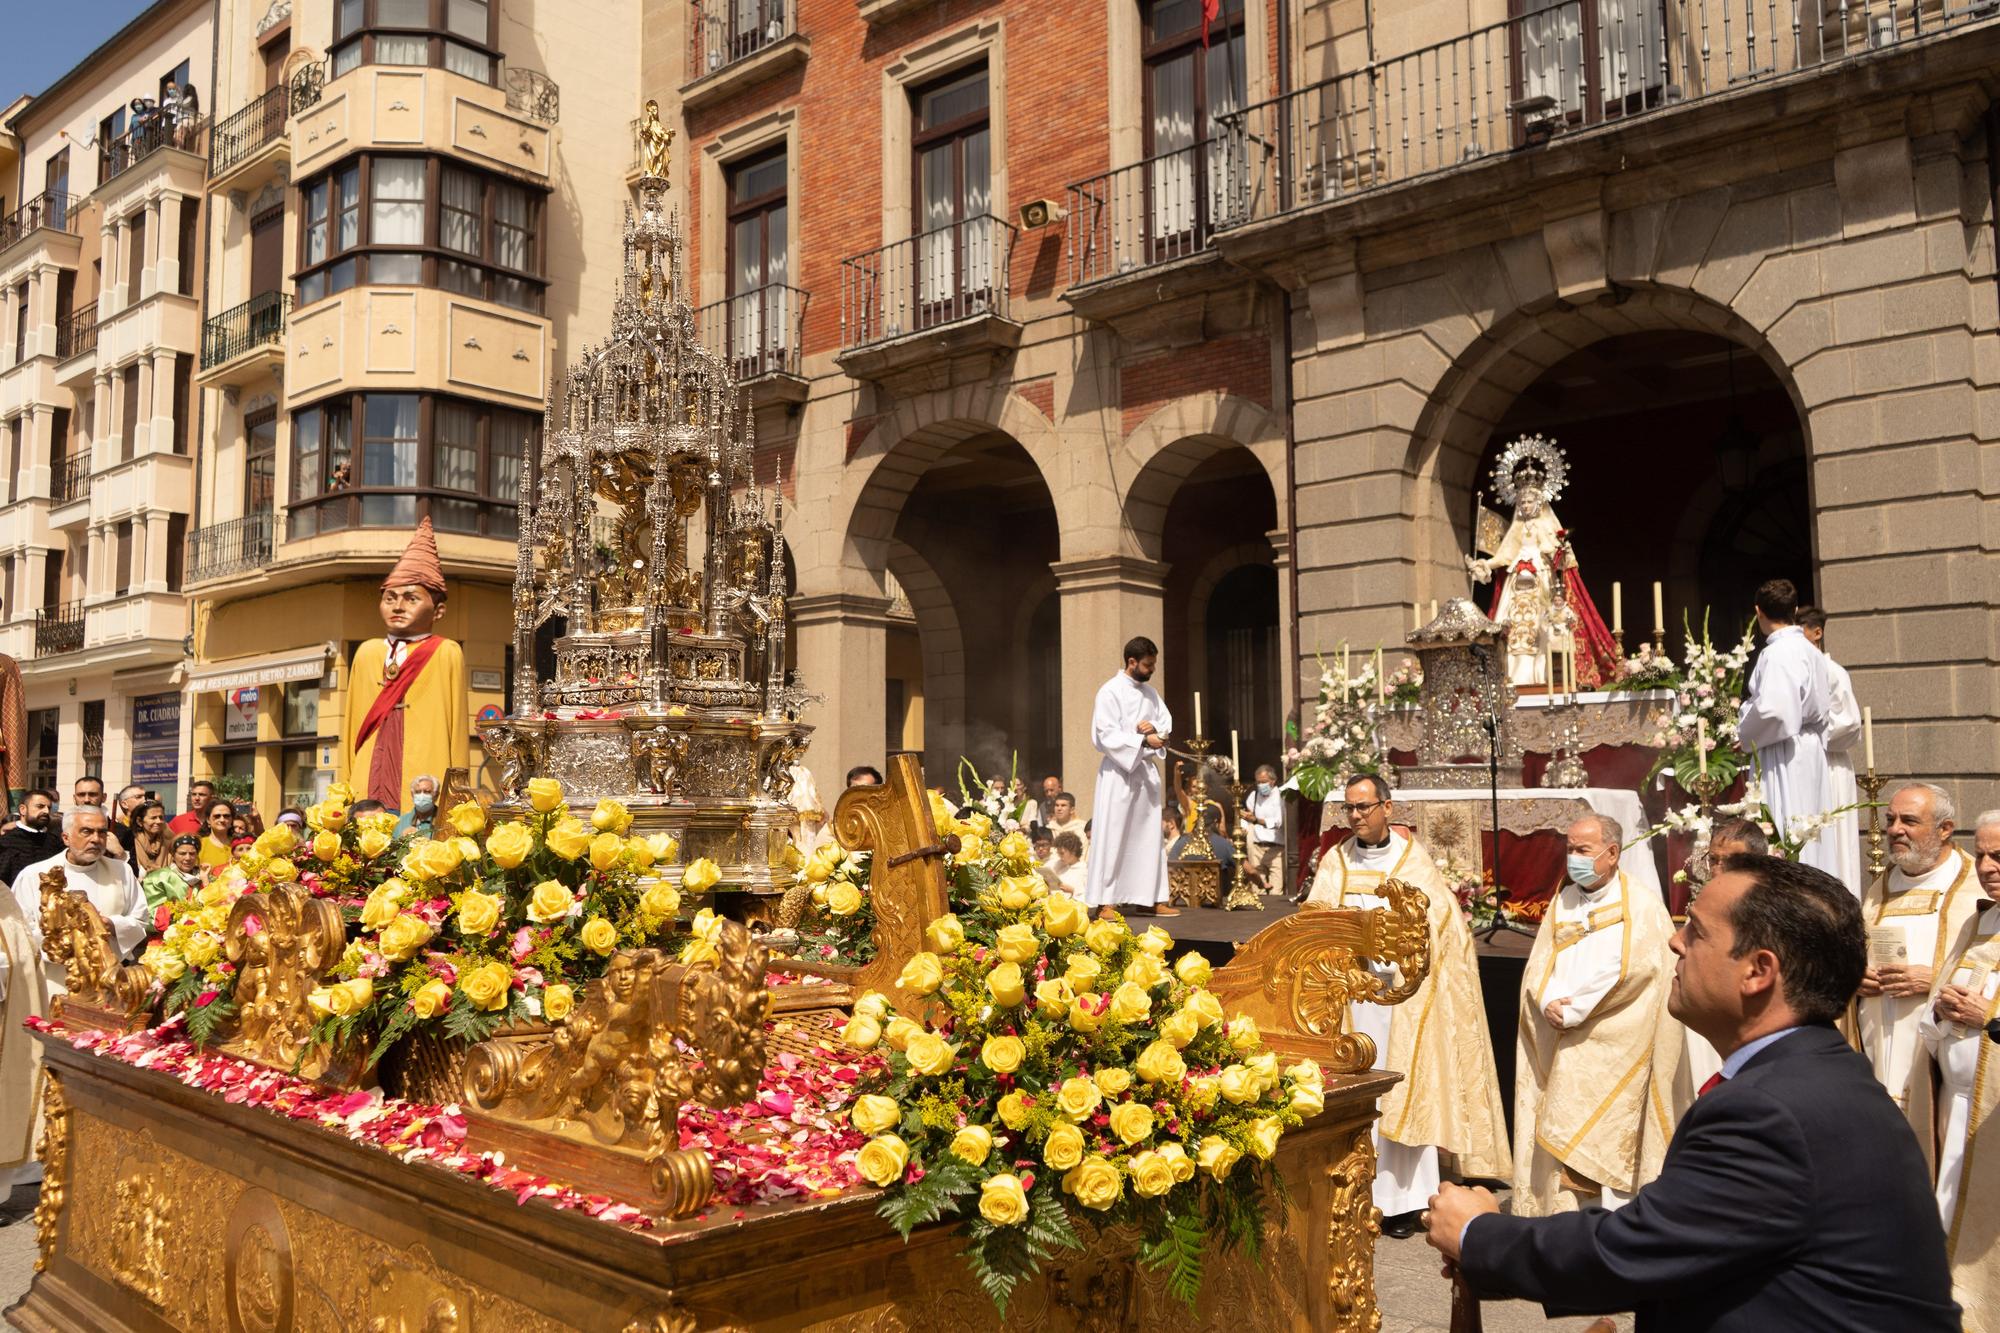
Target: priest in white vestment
[[1129, 725], [1953, 1028], [1843, 738], [1449, 1097], [112, 888], [1595, 1100], [1913, 914], [1785, 719]]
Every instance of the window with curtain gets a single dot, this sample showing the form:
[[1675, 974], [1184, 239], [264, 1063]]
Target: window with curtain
[[455, 461], [1188, 88], [455, 467], [759, 263], [953, 142], [455, 35], [461, 204], [389, 459], [396, 213]]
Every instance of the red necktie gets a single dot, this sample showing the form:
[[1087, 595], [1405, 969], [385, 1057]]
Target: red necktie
[[1714, 1081]]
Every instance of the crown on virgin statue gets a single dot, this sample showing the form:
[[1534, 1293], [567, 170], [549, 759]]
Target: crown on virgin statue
[[1530, 460]]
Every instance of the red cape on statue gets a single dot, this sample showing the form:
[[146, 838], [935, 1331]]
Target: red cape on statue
[[1597, 662]]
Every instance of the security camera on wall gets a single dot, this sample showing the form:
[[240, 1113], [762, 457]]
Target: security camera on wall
[[1041, 213]]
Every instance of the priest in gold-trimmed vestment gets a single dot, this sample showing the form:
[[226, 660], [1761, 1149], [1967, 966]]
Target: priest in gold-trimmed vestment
[[1953, 1027], [1449, 1098], [1594, 1086]]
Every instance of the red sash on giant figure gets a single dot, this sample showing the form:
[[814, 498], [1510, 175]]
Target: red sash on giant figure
[[385, 765]]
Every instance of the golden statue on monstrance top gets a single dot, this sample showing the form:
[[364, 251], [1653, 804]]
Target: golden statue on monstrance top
[[654, 141]]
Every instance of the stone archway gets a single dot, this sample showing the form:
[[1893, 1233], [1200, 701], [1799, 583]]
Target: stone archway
[[1165, 449], [942, 646]]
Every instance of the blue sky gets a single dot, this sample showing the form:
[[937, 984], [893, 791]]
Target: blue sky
[[46, 37]]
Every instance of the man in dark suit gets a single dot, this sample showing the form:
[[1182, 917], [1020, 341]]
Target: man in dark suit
[[1793, 1195]]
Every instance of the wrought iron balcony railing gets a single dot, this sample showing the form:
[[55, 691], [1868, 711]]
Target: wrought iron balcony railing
[[231, 547], [533, 94], [1156, 211], [1567, 67], [307, 85], [726, 31], [70, 479], [159, 130], [51, 211], [257, 321], [757, 331], [938, 277], [247, 131], [59, 629], [77, 334]]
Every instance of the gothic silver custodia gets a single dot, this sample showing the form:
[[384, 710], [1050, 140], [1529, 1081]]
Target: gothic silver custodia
[[591, 764], [717, 767], [658, 755]]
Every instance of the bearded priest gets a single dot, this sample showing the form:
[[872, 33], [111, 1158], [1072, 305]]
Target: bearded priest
[[408, 711], [1913, 914], [1595, 1062], [1449, 1099], [1129, 726]]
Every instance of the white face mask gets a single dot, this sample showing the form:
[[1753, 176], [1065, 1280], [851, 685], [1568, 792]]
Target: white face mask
[[1583, 870]]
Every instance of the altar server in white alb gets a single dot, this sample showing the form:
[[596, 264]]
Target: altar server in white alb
[[1785, 718], [1129, 726], [1843, 735]]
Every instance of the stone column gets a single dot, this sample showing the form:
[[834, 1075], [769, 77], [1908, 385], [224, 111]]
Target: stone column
[[152, 537], [843, 653], [162, 400], [1288, 623], [111, 293], [167, 272], [142, 423], [1106, 600], [103, 416]]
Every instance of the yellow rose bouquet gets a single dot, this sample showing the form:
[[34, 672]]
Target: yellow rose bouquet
[[1070, 1073], [186, 956], [838, 925]]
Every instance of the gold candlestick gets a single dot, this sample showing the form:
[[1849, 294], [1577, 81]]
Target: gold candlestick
[[1873, 785], [1618, 642], [1242, 893], [1197, 848]]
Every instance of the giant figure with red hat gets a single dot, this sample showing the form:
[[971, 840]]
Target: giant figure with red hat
[[408, 711]]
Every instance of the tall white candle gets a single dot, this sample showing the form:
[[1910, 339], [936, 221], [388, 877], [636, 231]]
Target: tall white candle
[[1868, 739], [1701, 743], [1381, 688], [1235, 760], [1346, 663], [1617, 608], [1197, 712], [1434, 608], [1659, 610], [1416, 616]]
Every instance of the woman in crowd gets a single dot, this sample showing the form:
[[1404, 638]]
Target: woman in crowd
[[216, 844], [149, 841], [179, 877]]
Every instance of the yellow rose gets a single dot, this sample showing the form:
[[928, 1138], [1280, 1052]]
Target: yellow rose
[[325, 846], [899, 1032], [872, 1004], [384, 901], [660, 900], [946, 933], [1238, 1085], [979, 824], [1062, 915], [282, 870], [343, 792], [1202, 1092], [922, 974], [701, 875], [1180, 1028], [1078, 1098], [1017, 943], [972, 1144], [861, 1032], [1063, 1148], [1216, 1157], [941, 815], [320, 1001], [372, 842], [1016, 849], [1306, 1100], [466, 818], [1306, 1071], [1161, 1064], [1155, 942], [1178, 1161], [973, 851], [1002, 1054], [1006, 984], [1129, 1004], [1086, 1012], [1193, 969], [1145, 971], [843, 899], [1112, 1081], [332, 815], [1013, 1110], [401, 939], [1002, 1200], [1095, 1184], [1082, 971], [163, 963], [381, 819], [202, 949], [930, 1054], [544, 794], [549, 901], [1206, 1009], [605, 849], [351, 997], [610, 816], [1243, 1035], [1131, 1122], [882, 1160], [278, 840], [479, 913], [1053, 997], [509, 845], [1105, 934], [873, 1114], [569, 839], [431, 998], [557, 1001], [1015, 894], [1264, 1065], [1152, 1175], [1264, 1134], [487, 985], [817, 871], [640, 851], [252, 862], [599, 936], [663, 847]]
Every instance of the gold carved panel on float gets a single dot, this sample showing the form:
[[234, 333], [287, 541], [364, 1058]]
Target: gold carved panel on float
[[105, 993], [283, 942], [906, 878]]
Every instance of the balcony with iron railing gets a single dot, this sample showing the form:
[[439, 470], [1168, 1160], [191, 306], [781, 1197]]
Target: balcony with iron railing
[[242, 344], [59, 629], [76, 334], [533, 94], [232, 547], [1159, 211], [940, 294], [1563, 70], [250, 142], [69, 479], [156, 131], [51, 211], [734, 43], [758, 334]]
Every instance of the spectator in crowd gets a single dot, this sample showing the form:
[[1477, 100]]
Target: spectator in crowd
[[1070, 870], [367, 805], [87, 793], [179, 877], [194, 819], [295, 819], [150, 841], [218, 847], [242, 827], [1045, 802], [1264, 816], [864, 775], [1064, 819], [125, 820], [37, 837], [418, 819]]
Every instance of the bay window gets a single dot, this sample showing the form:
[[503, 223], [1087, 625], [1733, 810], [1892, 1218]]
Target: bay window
[[457, 35], [455, 461]]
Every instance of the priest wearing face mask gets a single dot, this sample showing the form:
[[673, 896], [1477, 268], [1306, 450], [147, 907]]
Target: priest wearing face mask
[[1596, 1054], [422, 814], [1449, 1097]]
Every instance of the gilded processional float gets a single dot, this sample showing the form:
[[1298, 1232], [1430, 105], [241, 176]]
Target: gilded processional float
[[546, 1069]]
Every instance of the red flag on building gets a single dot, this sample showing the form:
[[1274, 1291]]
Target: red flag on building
[[1209, 10]]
